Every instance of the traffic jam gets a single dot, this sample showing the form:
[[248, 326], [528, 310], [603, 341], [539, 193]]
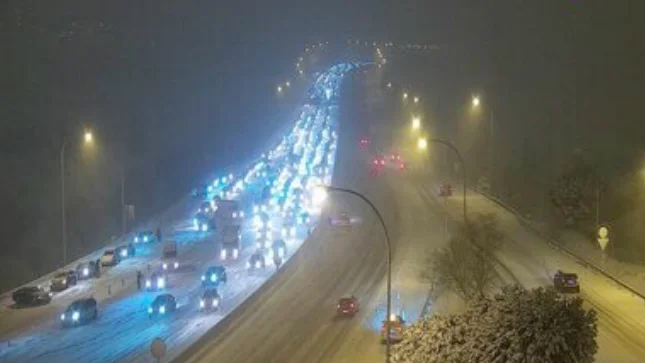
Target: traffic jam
[[250, 222]]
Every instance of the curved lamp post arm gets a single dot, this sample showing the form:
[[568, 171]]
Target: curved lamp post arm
[[389, 262], [463, 170]]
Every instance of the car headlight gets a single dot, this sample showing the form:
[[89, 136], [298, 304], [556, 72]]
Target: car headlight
[[124, 253], [203, 278], [148, 283], [145, 238], [281, 252], [215, 302], [86, 271], [195, 222], [213, 277], [62, 316], [222, 254], [201, 303], [150, 310], [248, 264], [236, 253], [176, 265], [234, 214], [161, 282], [162, 309], [75, 316], [204, 227], [165, 266], [258, 264], [136, 239], [64, 281], [242, 214]]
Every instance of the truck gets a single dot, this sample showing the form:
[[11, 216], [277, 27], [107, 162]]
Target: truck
[[228, 212], [169, 256], [230, 246]]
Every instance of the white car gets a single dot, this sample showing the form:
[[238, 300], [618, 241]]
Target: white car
[[109, 258]]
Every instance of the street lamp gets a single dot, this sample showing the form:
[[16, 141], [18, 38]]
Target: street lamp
[[475, 101], [422, 143], [288, 84], [279, 89], [416, 99], [416, 123], [88, 138], [405, 95], [319, 196]]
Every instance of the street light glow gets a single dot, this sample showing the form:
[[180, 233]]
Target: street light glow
[[416, 99], [279, 88], [416, 123], [389, 85], [422, 143], [288, 84], [405, 95], [475, 101], [319, 195], [88, 137]]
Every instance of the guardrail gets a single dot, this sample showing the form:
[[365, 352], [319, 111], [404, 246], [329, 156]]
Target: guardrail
[[558, 245]]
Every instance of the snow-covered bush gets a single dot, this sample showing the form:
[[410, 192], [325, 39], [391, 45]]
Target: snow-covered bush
[[517, 325]]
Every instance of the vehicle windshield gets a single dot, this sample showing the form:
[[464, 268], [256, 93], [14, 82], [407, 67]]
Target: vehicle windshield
[[108, 253], [61, 275]]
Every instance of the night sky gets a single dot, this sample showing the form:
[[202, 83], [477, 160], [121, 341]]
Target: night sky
[[176, 89]]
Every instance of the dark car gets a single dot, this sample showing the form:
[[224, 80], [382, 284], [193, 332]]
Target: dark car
[[63, 280], [210, 300], [203, 222], [256, 261], [279, 248], [145, 237], [80, 312], [347, 306], [214, 276], [162, 304], [126, 251], [156, 281], [566, 282], [89, 269], [30, 296]]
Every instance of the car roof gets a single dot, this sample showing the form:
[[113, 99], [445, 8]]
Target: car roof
[[164, 296]]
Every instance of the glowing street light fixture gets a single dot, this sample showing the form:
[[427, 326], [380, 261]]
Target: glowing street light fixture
[[422, 143], [288, 84], [279, 89], [416, 99], [88, 137], [475, 101], [405, 95], [389, 85], [416, 123]]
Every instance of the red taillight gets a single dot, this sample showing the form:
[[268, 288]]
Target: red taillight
[[382, 162], [375, 162]]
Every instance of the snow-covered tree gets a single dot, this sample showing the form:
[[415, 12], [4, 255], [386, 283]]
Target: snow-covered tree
[[464, 265], [517, 325], [573, 194]]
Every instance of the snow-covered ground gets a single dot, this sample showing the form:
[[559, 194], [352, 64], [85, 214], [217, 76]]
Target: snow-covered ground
[[532, 263], [123, 331]]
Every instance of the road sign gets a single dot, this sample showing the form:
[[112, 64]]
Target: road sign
[[158, 348], [603, 237]]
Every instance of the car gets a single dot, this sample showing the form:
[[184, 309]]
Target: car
[[347, 306], [162, 305], [203, 222], [378, 163], [145, 237], [566, 282], [256, 261], [63, 280], [80, 312], [364, 143], [31, 296], [214, 276], [169, 256], [86, 270], [263, 238], [210, 300], [110, 258], [126, 251], [206, 208], [395, 158], [304, 218], [172, 264], [396, 324], [279, 248], [342, 220], [156, 281]]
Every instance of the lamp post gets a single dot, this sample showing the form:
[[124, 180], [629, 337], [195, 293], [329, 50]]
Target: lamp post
[[476, 102], [88, 137], [320, 194], [463, 168]]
